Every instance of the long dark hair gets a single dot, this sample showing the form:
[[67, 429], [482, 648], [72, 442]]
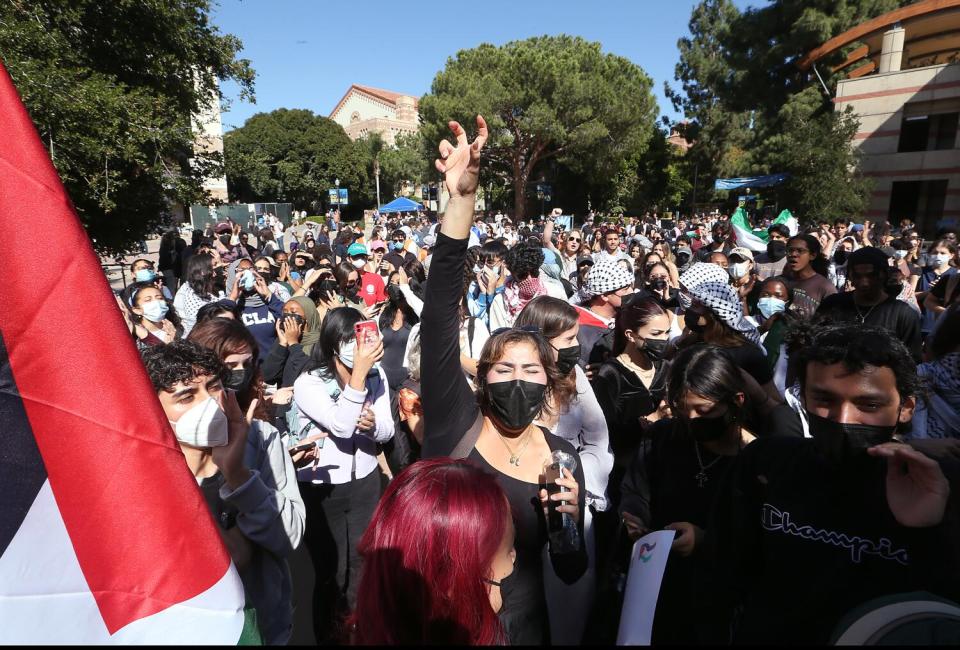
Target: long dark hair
[[199, 274], [342, 273], [225, 336], [633, 315], [707, 371], [337, 328], [391, 308], [171, 316]]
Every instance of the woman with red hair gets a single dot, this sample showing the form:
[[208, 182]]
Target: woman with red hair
[[439, 543]]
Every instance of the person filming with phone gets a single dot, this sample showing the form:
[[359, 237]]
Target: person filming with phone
[[343, 405]]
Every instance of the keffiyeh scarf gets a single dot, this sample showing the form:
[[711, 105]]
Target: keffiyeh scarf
[[710, 284]]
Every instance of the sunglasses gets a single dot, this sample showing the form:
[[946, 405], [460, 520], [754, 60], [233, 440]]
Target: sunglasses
[[573, 239]]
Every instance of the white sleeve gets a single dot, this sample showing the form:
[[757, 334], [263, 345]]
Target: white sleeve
[[415, 303]]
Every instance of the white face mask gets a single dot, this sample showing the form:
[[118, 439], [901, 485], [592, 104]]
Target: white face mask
[[477, 268], [346, 351], [204, 425], [900, 254], [941, 259], [738, 271], [155, 311], [358, 263]]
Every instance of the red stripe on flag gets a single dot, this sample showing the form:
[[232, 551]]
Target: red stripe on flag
[[142, 532]]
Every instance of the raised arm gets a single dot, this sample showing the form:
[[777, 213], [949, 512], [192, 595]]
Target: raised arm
[[461, 166], [449, 406]]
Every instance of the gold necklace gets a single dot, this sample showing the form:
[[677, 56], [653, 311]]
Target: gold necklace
[[515, 457]]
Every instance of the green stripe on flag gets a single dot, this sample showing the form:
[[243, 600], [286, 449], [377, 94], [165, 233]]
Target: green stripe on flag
[[250, 635]]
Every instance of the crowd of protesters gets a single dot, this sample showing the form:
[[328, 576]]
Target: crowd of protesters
[[792, 414]]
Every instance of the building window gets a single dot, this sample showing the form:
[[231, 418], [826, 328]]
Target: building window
[[928, 132], [920, 201]]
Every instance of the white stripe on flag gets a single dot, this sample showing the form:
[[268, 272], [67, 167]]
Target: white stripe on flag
[[747, 239], [44, 598]]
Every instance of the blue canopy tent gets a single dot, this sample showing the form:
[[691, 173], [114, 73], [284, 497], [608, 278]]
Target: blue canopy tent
[[751, 181], [401, 204]]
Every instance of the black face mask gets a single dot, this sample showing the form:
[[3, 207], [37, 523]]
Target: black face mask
[[567, 358], [714, 428], [394, 293], [516, 403], [776, 250], [655, 348], [659, 284], [225, 239], [239, 379], [840, 257], [842, 442]]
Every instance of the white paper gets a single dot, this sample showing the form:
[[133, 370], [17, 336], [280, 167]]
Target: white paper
[[648, 560]]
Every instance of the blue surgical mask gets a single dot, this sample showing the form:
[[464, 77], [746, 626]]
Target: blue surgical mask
[[146, 275], [248, 281], [396, 245], [155, 311], [768, 306]]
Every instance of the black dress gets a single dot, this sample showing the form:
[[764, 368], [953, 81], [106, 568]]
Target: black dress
[[449, 410]]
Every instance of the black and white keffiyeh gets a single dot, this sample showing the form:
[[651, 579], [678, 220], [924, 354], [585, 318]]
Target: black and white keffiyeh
[[603, 278], [710, 284]]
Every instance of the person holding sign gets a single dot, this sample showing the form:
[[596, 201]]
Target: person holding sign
[[673, 480]]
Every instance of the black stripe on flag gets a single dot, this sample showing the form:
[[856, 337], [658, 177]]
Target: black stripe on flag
[[22, 472]]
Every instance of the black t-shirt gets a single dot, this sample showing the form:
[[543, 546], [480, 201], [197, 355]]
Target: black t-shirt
[[751, 359], [895, 316]]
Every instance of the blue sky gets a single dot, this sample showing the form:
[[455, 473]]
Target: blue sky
[[308, 52]]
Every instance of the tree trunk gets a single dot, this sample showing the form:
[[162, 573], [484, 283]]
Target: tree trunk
[[519, 197]]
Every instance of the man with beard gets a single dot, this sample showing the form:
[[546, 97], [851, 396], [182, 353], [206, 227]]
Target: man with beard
[[808, 529]]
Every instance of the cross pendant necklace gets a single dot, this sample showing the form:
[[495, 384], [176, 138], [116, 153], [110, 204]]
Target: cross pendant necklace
[[701, 476]]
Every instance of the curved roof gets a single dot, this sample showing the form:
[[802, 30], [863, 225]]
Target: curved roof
[[932, 36]]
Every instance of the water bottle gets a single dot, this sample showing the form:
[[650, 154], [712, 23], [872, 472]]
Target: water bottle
[[561, 527]]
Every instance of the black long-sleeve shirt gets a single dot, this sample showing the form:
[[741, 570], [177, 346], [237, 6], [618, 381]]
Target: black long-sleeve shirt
[[449, 410], [799, 544]]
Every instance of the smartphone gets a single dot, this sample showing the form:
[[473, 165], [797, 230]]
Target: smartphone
[[551, 473], [367, 332], [303, 447]]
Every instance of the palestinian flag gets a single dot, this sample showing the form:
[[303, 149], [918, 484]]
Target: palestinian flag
[[104, 535], [756, 240]]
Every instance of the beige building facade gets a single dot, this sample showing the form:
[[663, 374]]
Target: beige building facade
[[364, 110], [903, 84], [208, 137]]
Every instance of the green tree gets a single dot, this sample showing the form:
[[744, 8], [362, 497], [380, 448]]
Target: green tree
[[111, 88], [405, 162], [544, 98], [753, 110], [295, 156]]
